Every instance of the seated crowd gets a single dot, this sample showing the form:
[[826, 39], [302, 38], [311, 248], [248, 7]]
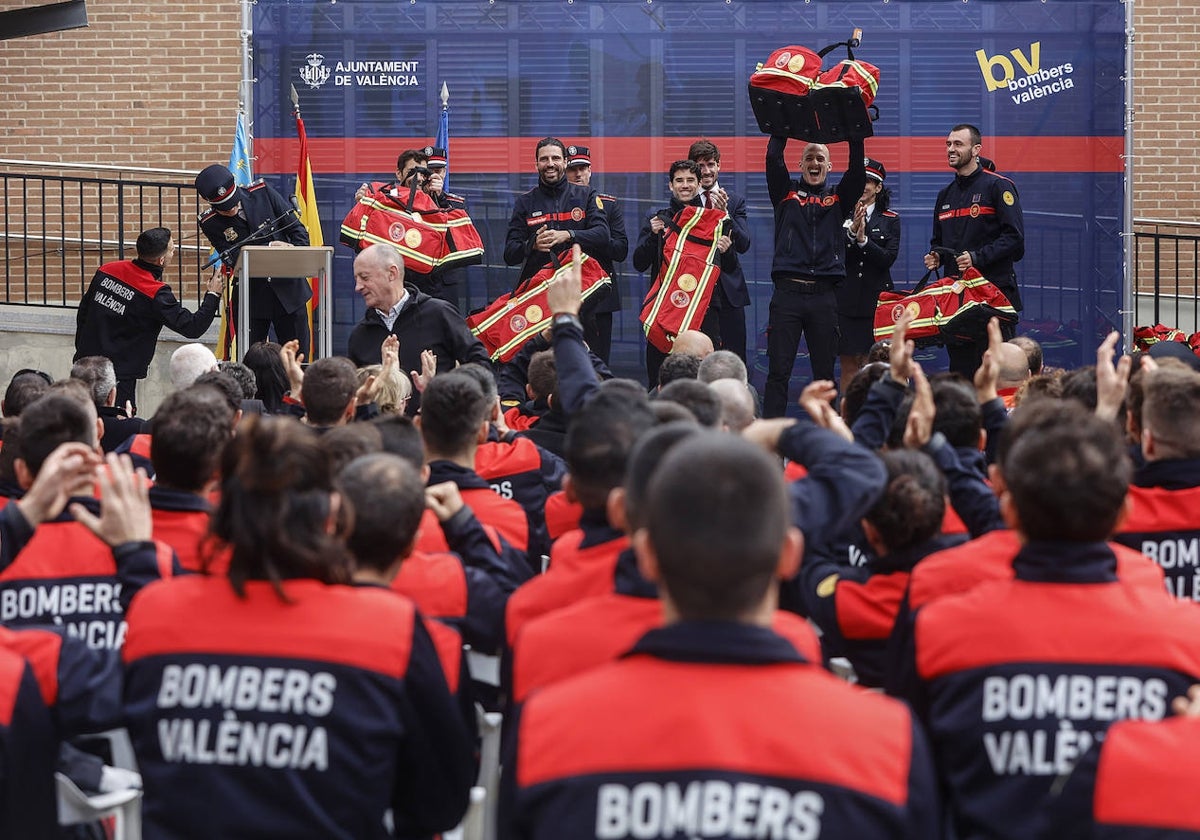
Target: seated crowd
[[931, 608]]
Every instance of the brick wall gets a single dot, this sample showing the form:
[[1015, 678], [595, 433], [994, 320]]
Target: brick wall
[[125, 90]]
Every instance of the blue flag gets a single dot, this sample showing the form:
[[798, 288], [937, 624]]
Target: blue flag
[[239, 156], [443, 142]]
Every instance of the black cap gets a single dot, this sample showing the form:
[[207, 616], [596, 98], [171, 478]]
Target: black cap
[[435, 157], [217, 186], [578, 156], [1175, 350], [875, 170]]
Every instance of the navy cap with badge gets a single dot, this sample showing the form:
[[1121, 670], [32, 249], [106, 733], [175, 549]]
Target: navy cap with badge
[[217, 186], [578, 156], [436, 157], [875, 170]]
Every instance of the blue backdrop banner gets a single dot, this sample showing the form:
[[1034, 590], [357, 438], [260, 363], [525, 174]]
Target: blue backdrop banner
[[637, 82]]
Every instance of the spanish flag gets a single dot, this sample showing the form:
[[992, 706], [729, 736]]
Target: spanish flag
[[306, 202]]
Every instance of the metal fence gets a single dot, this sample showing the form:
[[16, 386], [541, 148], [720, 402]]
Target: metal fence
[[1166, 258], [58, 228], [60, 223]]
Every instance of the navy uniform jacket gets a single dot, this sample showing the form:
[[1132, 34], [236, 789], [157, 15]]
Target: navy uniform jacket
[[466, 587], [306, 718], [125, 308], [63, 574], [520, 470], [1016, 679], [1131, 786], [856, 607], [664, 744], [560, 206], [617, 251], [1164, 522], [981, 213], [51, 688], [869, 267], [810, 243], [262, 206]]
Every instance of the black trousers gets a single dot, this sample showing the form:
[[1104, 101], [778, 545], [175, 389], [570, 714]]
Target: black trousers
[[798, 311], [965, 358], [287, 326], [127, 392]]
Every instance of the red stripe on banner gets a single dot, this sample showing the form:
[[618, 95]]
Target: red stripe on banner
[[277, 155]]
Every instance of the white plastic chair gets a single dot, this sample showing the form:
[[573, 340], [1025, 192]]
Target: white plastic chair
[[75, 807]]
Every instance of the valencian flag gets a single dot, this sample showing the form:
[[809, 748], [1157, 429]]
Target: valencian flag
[[306, 203], [239, 165]]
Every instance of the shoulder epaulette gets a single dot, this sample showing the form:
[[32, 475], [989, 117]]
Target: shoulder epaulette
[[891, 214], [256, 185], [203, 216], [454, 197], [606, 197]]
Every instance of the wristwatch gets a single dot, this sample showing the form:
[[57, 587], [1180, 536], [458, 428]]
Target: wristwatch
[[564, 318]]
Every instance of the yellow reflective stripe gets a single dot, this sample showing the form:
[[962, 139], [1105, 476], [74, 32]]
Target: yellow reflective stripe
[[786, 74], [672, 267]]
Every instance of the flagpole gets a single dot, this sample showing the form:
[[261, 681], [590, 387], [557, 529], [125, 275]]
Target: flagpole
[[246, 87], [443, 133]]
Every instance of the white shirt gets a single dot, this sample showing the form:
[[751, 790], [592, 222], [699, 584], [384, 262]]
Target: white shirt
[[389, 317]]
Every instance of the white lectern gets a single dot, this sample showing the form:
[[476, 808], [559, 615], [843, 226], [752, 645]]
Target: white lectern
[[263, 261]]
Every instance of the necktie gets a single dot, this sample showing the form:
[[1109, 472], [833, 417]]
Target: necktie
[[708, 201]]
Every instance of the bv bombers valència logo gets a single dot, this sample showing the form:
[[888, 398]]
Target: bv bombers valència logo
[[1022, 76]]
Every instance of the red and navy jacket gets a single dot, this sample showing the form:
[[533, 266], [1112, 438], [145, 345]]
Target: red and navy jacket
[[51, 688], [505, 515], [125, 308], [810, 243], [674, 746], [28, 751], [981, 213], [1016, 679], [960, 569], [558, 206], [582, 564], [62, 574], [137, 447], [856, 607], [520, 470], [597, 630], [512, 376], [562, 515], [1164, 522], [181, 521], [305, 717], [1130, 786], [467, 586]]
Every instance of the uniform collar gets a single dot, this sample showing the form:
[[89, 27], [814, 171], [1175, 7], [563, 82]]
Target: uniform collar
[[965, 180], [1055, 561], [1169, 474], [629, 580], [717, 642], [156, 270], [466, 479]]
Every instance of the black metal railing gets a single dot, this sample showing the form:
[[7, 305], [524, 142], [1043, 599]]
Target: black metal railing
[[57, 229], [1166, 261]]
